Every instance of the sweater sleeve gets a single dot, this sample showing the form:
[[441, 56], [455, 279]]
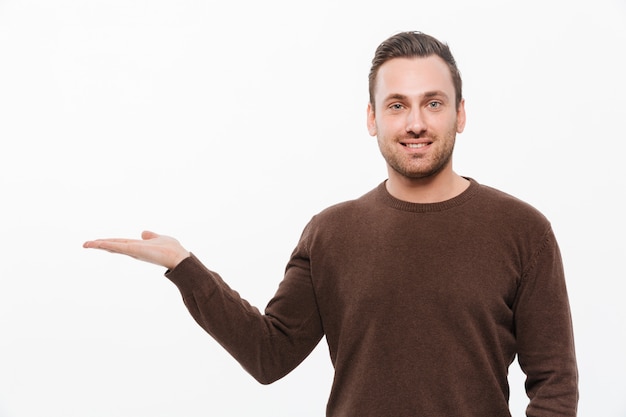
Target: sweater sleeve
[[544, 335], [268, 345]]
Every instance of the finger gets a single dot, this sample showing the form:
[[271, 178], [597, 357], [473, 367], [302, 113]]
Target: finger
[[146, 234], [93, 243], [113, 247], [107, 244], [98, 242], [124, 246]]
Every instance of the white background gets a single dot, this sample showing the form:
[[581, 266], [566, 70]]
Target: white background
[[228, 125]]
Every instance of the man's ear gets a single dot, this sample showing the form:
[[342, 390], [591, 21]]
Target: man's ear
[[371, 120], [460, 117]]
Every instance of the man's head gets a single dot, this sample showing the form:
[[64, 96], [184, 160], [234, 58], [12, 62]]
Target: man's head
[[413, 45], [416, 107]]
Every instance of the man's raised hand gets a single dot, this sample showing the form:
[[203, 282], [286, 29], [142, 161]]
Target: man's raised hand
[[157, 249]]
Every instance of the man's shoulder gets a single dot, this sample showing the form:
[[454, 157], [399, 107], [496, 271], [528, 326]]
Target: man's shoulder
[[500, 203], [348, 207], [496, 195]]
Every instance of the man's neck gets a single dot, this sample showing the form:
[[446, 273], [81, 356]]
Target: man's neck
[[435, 189]]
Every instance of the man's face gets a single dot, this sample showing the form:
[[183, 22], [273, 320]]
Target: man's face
[[416, 119]]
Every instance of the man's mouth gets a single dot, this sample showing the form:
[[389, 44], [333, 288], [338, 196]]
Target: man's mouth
[[415, 145]]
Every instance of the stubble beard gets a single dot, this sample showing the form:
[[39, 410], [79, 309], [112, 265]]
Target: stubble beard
[[418, 166]]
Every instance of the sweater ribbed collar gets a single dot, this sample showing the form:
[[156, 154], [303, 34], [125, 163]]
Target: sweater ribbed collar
[[383, 196]]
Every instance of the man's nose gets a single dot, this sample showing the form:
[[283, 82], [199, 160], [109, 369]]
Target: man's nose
[[415, 121]]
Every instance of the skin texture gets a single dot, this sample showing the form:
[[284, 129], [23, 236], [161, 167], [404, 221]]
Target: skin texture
[[157, 249], [415, 104]]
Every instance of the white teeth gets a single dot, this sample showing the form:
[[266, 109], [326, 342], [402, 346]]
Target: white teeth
[[415, 145]]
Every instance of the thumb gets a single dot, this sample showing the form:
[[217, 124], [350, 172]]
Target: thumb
[[146, 234]]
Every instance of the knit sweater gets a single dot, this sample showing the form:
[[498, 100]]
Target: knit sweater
[[423, 306]]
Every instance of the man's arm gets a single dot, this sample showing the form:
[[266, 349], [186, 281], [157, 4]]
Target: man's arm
[[545, 337], [267, 345]]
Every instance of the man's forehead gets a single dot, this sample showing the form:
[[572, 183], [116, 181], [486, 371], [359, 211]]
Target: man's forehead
[[414, 66], [427, 74]]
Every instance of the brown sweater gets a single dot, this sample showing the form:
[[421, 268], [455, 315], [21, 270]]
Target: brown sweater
[[424, 307]]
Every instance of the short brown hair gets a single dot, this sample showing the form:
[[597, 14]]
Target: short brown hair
[[409, 45]]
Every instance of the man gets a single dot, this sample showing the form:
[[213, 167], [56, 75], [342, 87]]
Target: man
[[425, 288]]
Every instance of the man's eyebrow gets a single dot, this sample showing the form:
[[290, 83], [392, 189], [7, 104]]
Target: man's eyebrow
[[426, 95], [435, 93], [395, 96]]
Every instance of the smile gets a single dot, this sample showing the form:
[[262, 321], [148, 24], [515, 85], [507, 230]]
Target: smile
[[415, 145]]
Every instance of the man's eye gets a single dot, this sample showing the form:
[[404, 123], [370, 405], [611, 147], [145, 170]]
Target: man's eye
[[434, 104], [396, 106]]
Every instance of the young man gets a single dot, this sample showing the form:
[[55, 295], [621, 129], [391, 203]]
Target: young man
[[425, 288]]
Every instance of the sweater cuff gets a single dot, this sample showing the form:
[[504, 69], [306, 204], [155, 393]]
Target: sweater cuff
[[188, 273]]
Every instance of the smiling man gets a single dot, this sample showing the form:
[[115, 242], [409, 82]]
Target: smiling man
[[416, 124], [426, 288]]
